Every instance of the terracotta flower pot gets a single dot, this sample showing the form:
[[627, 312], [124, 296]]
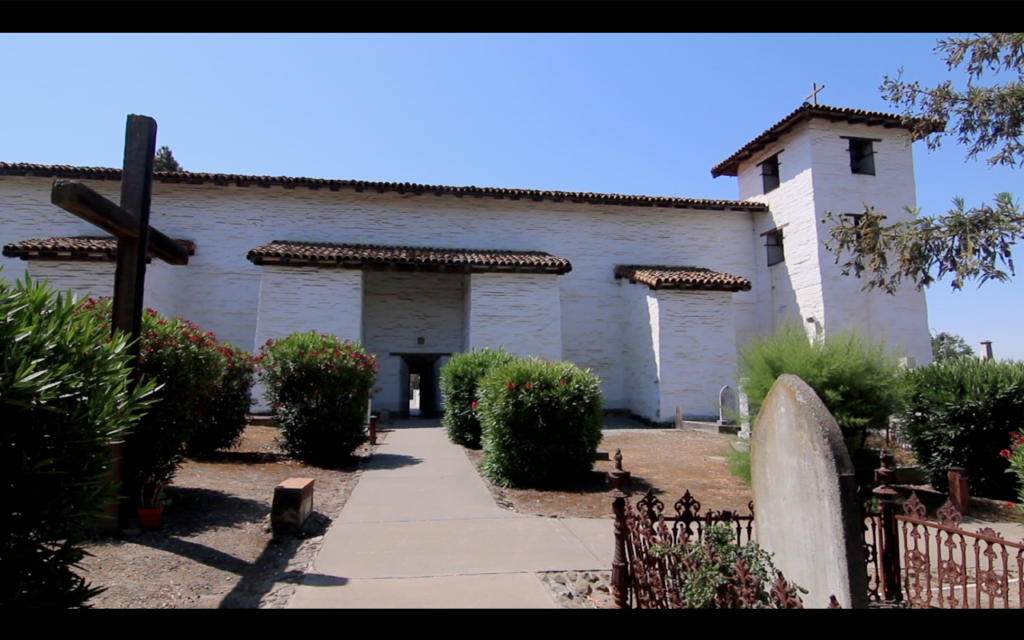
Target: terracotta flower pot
[[149, 519]]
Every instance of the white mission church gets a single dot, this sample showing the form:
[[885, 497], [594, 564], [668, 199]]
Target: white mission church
[[652, 293]]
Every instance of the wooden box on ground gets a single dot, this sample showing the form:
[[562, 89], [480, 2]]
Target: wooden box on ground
[[293, 503]]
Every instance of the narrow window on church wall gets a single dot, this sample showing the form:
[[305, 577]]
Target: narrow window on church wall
[[862, 156], [770, 173], [773, 240], [855, 218]]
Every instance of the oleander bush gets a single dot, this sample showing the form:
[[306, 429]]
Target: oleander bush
[[460, 379], [541, 422], [319, 388], [187, 366], [65, 399], [957, 413], [1015, 454], [225, 409]]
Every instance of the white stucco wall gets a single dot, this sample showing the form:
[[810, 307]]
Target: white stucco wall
[[307, 299], [399, 308], [790, 290], [816, 178], [901, 319], [697, 352], [641, 349], [84, 279], [220, 289], [520, 312]]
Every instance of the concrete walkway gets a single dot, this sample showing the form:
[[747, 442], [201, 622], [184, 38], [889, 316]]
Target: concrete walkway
[[422, 530]]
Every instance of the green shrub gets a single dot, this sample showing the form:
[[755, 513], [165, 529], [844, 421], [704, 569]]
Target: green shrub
[[185, 364], [703, 568], [225, 408], [957, 414], [855, 379], [541, 422], [1015, 454], [65, 399], [319, 388], [738, 463], [460, 378]]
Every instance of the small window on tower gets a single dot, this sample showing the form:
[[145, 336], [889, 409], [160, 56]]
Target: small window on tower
[[855, 218], [770, 173], [773, 240], [862, 156]]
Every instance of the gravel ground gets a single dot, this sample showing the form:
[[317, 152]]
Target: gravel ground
[[215, 549]]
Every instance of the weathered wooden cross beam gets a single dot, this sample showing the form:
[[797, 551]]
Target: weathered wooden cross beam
[[129, 223]]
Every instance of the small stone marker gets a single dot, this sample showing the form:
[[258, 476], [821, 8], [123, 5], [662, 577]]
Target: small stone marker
[[744, 412], [728, 407], [958, 492], [293, 503], [804, 487]]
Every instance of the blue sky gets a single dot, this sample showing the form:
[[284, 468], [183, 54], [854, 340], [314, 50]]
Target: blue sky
[[637, 114]]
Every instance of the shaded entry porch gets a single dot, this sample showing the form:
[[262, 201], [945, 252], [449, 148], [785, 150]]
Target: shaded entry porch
[[422, 370]]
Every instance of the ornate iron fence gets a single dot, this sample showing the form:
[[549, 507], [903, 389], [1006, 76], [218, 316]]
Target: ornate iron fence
[[649, 565], [921, 564]]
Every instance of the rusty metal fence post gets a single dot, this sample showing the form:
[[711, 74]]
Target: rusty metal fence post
[[620, 579], [620, 576], [890, 541]]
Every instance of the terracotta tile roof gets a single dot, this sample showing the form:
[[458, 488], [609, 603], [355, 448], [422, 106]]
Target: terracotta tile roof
[[224, 179], [690, 278], [807, 111], [76, 248], [366, 256]]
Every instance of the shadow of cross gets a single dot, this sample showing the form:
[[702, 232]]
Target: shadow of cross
[[129, 223]]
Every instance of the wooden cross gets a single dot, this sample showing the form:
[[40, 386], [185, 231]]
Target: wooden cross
[[129, 223], [813, 95]]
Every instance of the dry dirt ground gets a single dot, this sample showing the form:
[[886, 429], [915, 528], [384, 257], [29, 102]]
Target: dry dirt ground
[[670, 462], [214, 549]]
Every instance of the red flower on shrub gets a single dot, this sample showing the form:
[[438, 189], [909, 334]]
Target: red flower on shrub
[[473, 405], [561, 383], [1006, 453], [509, 385], [527, 385]]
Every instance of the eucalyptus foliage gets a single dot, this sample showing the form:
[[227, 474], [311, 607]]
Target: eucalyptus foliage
[[968, 243], [65, 399]]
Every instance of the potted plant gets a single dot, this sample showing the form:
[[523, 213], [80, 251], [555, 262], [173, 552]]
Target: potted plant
[[151, 510]]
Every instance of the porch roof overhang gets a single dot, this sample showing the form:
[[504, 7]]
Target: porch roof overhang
[[686, 278], [396, 258], [77, 249]]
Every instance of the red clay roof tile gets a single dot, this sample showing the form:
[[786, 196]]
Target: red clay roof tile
[[806, 111], [695, 278], [360, 256]]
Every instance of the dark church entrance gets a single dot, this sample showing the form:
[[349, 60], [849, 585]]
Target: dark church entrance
[[424, 366]]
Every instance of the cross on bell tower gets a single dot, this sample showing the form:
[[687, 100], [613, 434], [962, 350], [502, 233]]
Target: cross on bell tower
[[813, 95]]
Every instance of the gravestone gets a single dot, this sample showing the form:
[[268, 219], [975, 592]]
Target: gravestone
[[744, 412], [803, 483], [728, 408]]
